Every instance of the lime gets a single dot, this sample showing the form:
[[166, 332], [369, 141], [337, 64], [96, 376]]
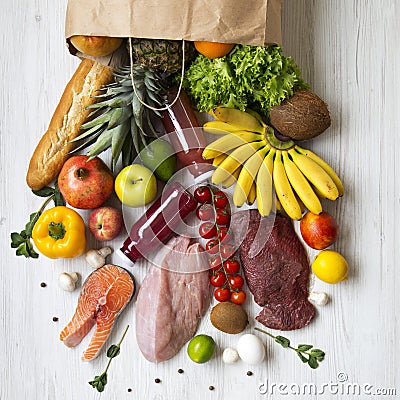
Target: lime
[[330, 266], [160, 157], [201, 348]]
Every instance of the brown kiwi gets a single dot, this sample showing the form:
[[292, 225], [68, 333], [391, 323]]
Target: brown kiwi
[[229, 317]]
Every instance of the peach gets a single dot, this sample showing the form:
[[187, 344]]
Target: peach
[[95, 46]]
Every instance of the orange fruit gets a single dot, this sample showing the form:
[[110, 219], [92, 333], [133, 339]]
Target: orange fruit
[[213, 49]]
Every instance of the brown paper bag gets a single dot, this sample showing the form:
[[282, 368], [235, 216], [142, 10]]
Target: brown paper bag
[[253, 22]]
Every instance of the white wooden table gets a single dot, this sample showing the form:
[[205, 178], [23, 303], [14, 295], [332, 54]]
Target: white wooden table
[[348, 51]]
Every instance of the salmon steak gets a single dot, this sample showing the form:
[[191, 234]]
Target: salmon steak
[[104, 295]]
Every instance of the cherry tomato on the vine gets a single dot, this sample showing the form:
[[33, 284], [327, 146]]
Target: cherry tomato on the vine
[[236, 281], [222, 294], [220, 199], [205, 212], [227, 250], [212, 246], [208, 230], [232, 266], [218, 279], [203, 194], [224, 235], [238, 297], [222, 216], [215, 262]]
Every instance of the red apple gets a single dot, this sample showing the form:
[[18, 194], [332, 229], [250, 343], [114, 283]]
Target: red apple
[[105, 223], [319, 230], [85, 184]]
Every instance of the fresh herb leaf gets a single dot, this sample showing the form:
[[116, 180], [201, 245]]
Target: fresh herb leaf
[[304, 347], [302, 358], [100, 381], [284, 342], [44, 192], [305, 352], [113, 351], [22, 241], [58, 197], [16, 239], [313, 363], [32, 221]]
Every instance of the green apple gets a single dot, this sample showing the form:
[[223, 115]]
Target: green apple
[[136, 186]]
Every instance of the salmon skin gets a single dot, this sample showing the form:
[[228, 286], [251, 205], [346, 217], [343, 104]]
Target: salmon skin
[[104, 295]]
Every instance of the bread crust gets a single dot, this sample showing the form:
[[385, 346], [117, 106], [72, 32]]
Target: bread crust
[[71, 112]]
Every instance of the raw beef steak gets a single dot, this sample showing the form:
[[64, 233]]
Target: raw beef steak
[[276, 268]]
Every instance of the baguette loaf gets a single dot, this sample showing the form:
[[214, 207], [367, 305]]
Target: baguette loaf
[[71, 112]]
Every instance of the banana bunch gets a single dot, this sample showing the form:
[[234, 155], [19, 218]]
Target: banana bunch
[[276, 173]]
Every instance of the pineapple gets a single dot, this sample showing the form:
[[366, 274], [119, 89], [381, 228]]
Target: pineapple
[[162, 55], [119, 120]]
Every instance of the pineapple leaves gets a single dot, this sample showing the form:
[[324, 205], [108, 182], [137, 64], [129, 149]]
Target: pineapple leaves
[[119, 116], [119, 120], [117, 142], [101, 119]]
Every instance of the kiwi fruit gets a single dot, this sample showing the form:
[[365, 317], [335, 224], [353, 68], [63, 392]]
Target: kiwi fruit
[[229, 318]]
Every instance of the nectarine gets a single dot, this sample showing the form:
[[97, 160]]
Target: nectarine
[[319, 230]]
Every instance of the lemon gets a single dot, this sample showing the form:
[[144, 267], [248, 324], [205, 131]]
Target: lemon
[[201, 348], [330, 266]]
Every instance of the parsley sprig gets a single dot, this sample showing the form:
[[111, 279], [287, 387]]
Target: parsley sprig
[[21, 241], [100, 381], [306, 352]]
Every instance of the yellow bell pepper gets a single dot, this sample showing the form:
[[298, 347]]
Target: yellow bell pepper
[[60, 233]]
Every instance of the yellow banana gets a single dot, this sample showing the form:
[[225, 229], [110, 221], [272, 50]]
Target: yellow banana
[[301, 204], [256, 115], [247, 176], [218, 160], [235, 160], [316, 175], [278, 205], [239, 118], [301, 185], [219, 127], [251, 198], [283, 189], [322, 163], [228, 142], [264, 185], [227, 183]]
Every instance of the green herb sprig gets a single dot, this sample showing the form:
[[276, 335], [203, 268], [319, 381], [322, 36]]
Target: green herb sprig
[[305, 352], [22, 241], [100, 381]]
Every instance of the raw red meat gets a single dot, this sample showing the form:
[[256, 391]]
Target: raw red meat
[[276, 268]]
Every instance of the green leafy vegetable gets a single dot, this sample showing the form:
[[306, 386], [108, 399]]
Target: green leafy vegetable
[[305, 352], [248, 77], [100, 381], [22, 241]]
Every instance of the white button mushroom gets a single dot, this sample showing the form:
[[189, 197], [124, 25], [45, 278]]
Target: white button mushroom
[[67, 281], [230, 356], [97, 258], [251, 349], [319, 298]]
